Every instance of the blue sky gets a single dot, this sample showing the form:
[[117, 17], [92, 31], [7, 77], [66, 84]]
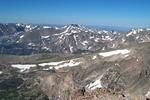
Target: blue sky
[[130, 13]]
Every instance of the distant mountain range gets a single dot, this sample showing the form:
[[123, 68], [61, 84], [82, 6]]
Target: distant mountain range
[[29, 38]]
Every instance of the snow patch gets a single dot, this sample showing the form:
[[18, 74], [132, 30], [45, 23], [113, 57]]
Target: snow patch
[[75, 31], [75, 38], [103, 48], [115, 52], [130, 33], [18, 24], [51, 63], [23, 67], [70, 63], [71, 48], [104, 31], [97, 40], [28, 26], [73, 63], [45, 37], [61, 64], [56, 28], [105, 38], [137, 37], [148, 94], [91, 37], [139, 30], [21, 36], [99, 32], [31, 44], [67, 29], [45, 48], [123, 40], [49, 68], [134, 31], [1, 72], [95, 84], [84, 42], [147, 37], [94, 57], [46, 27]]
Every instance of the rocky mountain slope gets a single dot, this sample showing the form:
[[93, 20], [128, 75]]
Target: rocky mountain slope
[[24, 39], [119, 74]]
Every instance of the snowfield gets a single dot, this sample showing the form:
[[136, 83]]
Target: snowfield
[[51, 63], [61, 64], [115, 52], [71, 63], [23, 67], [45, 37]]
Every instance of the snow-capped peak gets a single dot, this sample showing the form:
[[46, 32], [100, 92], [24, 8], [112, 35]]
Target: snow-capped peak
[[18, 24], [134, 31], [29, 27], [73, 28]]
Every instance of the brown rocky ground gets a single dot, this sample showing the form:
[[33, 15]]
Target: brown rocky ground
[[121, 78]]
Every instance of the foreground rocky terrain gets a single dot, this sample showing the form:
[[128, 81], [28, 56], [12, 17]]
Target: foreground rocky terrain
[[119, 74]]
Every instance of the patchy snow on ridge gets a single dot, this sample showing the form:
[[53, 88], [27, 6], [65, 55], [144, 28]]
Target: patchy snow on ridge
[[96, 40], [75, 31], [71, 48], [18, 24], [45, 48], [23, 67], [51, 63], [45, 37], [71, 63], [84, 42], [147, 37], [28, 26], [1, 72], [134, 31], [106, 38], [95, 84], [67, 29], [49, 68], [56, 28], [139, 30], [148, 94], [61, 64], [21, 36], [31, 44], [115, 52]]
